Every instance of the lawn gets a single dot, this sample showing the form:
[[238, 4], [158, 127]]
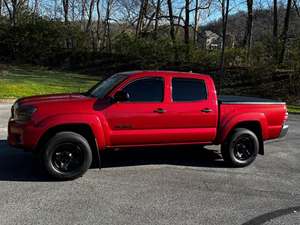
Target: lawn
[[20, 81], [294, 109], [23, 81]]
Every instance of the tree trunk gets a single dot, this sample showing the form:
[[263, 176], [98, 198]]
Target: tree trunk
[[157, 11], [73, 5], [36, 7], [98, 22], [66, 18], [88, 26], [171, 17], [14, 11], [106, 33], [142, 14], [275, 30], [248, 34], [0, 7], [196, 16], [284, 35], [225, 10], [296, 8], [83, 8], [66, 10], [55, 9], [187, 22]]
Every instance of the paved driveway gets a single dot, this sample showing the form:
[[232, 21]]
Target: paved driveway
[[156, 186]]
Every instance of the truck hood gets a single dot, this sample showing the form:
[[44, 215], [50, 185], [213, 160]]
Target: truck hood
[[33, 100]]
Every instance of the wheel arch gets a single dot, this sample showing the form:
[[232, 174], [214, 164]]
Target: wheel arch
[[254, 126], [84, 130]]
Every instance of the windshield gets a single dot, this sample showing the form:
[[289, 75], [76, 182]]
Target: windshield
[[102, 88]]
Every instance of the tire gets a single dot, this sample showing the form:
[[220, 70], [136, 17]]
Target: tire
[[67, 156], [241, 148]]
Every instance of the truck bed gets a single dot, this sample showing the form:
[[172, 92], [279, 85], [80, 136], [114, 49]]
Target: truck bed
[[231, 99], [269, 112]]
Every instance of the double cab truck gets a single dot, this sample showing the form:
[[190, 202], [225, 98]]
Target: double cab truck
[[138, 109]]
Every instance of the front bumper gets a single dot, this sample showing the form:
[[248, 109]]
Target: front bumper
[[23, 136], [284, 131]]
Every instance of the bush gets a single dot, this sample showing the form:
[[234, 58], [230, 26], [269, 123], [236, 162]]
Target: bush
[[39, 41]]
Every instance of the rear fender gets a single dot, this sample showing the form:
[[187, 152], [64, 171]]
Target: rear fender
[[229, 124]]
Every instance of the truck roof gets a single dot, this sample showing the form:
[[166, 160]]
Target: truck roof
[[161, 72]]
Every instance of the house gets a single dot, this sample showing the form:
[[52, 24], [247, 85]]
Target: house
[[209, 40]]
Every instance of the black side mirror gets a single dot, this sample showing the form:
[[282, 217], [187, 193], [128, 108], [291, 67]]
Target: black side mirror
[[121, 96]]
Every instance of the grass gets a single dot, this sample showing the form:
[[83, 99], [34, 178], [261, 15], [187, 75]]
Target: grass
[[294, 109], [23, 81]]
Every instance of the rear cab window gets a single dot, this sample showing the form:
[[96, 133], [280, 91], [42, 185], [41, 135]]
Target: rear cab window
[[188, 89]]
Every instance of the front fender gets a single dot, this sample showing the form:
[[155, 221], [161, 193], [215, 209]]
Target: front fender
[[94, 122], [231, 122]]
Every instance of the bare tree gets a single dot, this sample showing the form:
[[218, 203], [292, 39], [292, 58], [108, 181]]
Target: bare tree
[[171, 18], [14, 7], [1, 7], [157, 11], [197, 9], [296, 8], [196, 16], [187, 22], [90, 14], [284, 35], [98, 20], [55, 9], [66, 10], [106, 33], [225, 10], [83, 9], [142, 15], [36, 6], [248, 34], [73, 7], [275, 30]]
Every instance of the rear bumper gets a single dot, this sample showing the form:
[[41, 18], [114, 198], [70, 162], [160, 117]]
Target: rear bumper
[[284, 131]]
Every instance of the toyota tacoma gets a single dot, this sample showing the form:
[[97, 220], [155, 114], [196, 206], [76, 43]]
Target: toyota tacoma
[[142, 108]]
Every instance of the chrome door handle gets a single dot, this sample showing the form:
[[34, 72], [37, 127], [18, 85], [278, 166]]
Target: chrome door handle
[[206, 110], [159, 110]]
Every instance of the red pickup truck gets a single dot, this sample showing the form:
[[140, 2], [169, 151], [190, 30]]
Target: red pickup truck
[[142, 108]]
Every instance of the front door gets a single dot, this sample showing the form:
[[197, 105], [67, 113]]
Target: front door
[[139, 120]]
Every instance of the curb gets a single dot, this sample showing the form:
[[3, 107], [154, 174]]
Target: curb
[[7, 100]]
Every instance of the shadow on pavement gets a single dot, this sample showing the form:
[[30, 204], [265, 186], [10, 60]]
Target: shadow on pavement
[[179, 155], [17, 165]]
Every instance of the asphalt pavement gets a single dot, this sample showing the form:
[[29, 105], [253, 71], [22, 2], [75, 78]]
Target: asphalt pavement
[[182, 185]]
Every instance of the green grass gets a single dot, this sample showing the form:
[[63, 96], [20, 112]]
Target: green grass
[[23, 81], [294, 109]]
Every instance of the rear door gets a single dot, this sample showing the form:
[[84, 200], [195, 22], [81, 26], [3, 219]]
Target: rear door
[[192, 110]]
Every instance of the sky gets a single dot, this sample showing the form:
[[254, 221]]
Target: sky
[[207, 16]]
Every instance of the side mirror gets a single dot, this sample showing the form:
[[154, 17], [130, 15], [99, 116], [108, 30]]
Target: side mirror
[[121, 96]]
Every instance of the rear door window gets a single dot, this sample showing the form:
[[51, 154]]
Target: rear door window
[[188, 89]]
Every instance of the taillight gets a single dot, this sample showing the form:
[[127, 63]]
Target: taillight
[[286, 116]]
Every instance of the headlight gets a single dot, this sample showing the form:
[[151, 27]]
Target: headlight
[[23, 113]]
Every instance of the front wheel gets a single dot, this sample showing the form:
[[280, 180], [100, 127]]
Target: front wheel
[[67, 156], [241, 148]]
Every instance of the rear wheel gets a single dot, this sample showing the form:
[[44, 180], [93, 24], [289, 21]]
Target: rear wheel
[[241, 148], [67, 156]]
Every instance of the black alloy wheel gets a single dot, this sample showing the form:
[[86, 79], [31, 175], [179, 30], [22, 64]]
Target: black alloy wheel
[[67, 156], [241, 147]]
